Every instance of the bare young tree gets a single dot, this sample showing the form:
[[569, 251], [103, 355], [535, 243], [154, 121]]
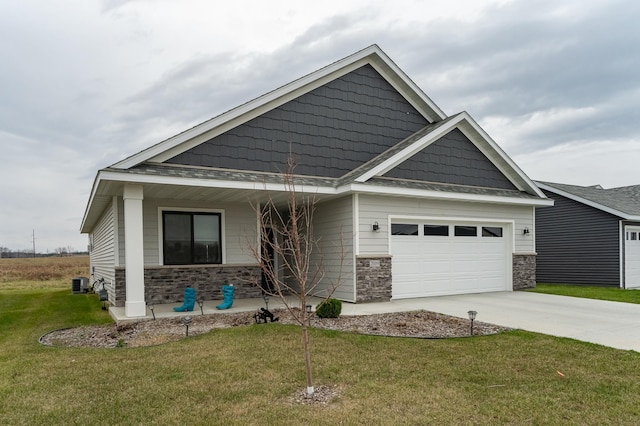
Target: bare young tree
[[287, 233]]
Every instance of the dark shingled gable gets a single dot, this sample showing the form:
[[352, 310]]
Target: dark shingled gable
[[330, 130], [452, 159]]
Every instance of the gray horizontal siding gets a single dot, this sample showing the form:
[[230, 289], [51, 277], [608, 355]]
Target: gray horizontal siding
[[330, 130], [452, 159], [102, 254], [577, 244], [333, 228], [239, 220], [378, 209]]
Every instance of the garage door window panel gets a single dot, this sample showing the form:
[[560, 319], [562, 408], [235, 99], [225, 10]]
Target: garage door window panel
[[492, 231], [408, 229], [466, 231], [436, 230]]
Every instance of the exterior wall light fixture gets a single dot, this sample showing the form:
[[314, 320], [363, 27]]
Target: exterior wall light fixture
[[375, 227]]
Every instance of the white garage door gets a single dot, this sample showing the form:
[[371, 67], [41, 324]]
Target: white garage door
[[632, 257], [437, 258]]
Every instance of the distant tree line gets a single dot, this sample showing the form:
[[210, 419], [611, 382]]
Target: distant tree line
[[7, 253]]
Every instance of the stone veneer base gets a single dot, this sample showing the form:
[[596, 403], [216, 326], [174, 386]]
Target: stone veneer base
[[373, 278], [524, 271], [166, 284]]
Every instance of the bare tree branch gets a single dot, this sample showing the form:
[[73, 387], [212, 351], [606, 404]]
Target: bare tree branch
[[297, 266]]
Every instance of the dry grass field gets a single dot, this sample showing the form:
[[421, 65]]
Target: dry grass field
[[42, 272]]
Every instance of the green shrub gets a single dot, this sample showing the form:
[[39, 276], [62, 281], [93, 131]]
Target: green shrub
[[330, 308]]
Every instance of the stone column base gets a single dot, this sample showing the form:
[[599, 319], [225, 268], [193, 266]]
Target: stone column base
[[524, 271], [373, 278]]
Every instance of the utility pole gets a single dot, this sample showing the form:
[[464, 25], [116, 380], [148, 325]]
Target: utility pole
[[33, 239]]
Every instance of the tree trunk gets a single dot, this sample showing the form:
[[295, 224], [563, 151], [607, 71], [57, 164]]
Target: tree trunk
[[307, 360]]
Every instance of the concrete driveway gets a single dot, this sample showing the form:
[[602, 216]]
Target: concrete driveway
[[612, 324]]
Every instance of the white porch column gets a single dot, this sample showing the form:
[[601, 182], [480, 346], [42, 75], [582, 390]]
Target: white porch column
[[134, 305]]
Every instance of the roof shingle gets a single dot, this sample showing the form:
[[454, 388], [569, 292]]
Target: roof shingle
[[624, 199]]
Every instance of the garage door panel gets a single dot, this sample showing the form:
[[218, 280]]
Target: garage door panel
[[440, 265], [632, 257], [434, 269]]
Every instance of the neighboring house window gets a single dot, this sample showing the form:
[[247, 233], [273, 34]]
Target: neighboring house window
[[404, 229], [191, 238]]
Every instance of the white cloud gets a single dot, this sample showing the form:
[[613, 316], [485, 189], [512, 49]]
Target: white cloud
[[610, 163], [527, 133], [88, 83]]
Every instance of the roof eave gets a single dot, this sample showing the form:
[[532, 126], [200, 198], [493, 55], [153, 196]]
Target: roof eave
[[588, 202], [85, 227], [445, 195]]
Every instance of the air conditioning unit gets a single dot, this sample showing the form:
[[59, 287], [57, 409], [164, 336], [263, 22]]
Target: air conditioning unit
[[79, 285]]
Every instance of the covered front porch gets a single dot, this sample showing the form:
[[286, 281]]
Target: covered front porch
[[129, 249], [165, 310]]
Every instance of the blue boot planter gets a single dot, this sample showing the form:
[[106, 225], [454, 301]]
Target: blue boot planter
[[189, 300], [227, 294]]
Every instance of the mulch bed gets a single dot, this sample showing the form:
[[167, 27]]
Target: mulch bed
[[417, 324]]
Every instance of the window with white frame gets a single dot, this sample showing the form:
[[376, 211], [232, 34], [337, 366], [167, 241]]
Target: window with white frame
[[190, 238]]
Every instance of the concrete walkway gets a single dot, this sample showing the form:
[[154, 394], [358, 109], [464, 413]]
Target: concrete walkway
[[612, 324]]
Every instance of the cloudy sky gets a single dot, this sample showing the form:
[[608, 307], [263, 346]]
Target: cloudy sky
[[86, 83]]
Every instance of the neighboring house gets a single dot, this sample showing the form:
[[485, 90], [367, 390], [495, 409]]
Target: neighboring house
[[424, 204], [590, 236]]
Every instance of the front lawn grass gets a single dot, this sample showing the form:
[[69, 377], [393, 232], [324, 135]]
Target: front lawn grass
[[589, 292], [246, 376]]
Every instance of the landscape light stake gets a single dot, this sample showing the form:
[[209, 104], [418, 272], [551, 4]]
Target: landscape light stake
[[201, 302], [152, 313], [472, 316], [186, 321], [309, 314], [265, 297]]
